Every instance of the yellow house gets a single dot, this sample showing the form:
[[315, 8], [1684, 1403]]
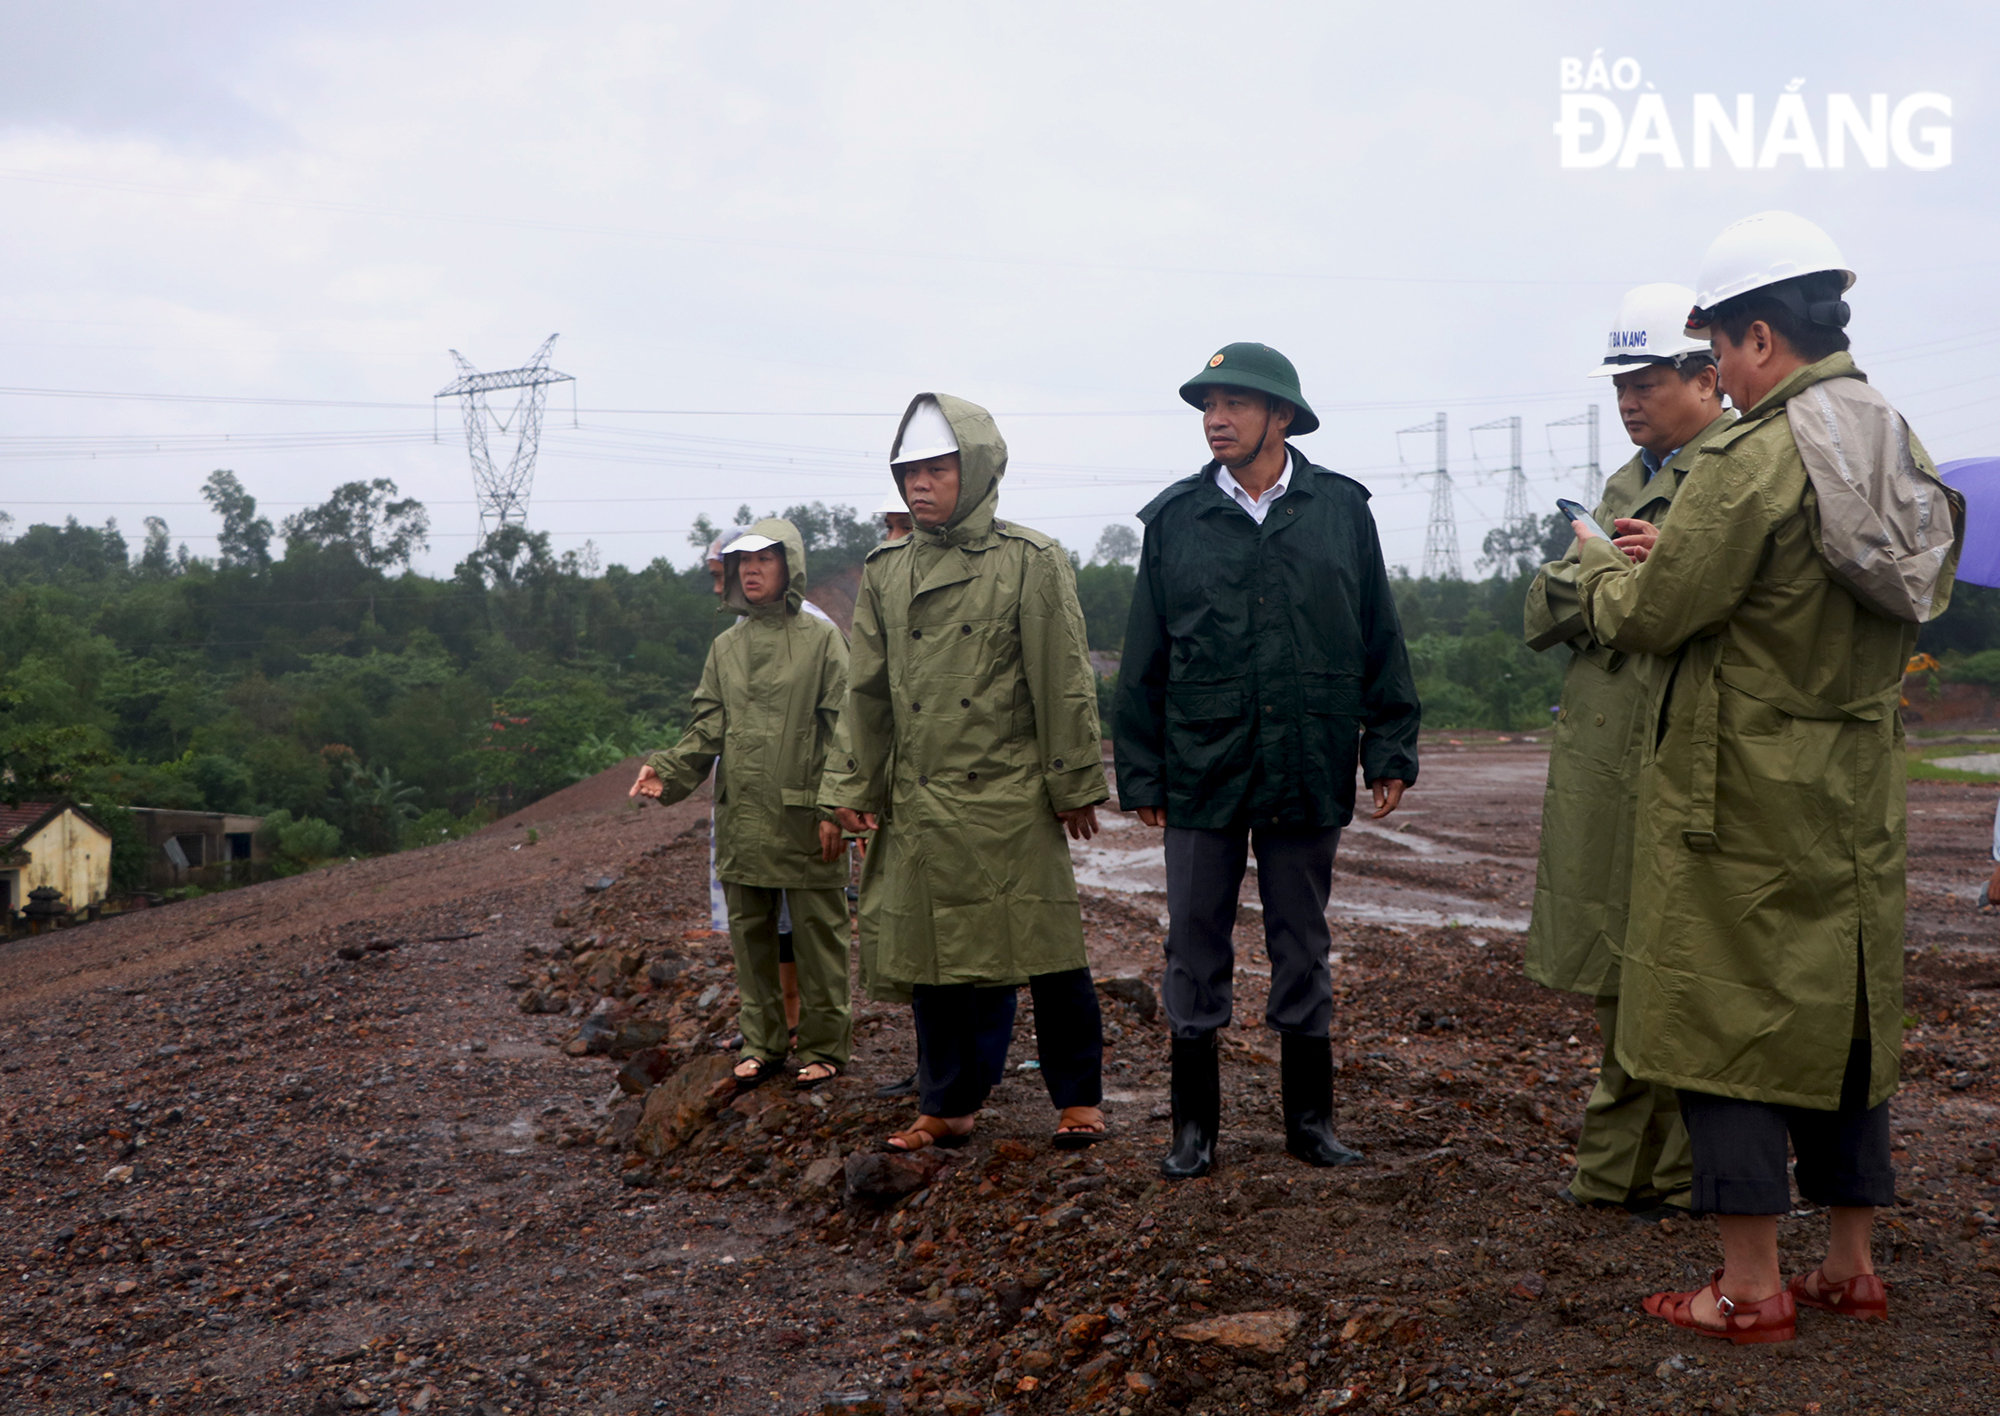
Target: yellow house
[[52, 843]]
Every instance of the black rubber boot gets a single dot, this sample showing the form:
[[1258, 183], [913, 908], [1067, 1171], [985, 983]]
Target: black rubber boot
[[1197, 1098], [1307, 1069]]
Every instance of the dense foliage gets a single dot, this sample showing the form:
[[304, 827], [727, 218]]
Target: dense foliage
[[306, 673]]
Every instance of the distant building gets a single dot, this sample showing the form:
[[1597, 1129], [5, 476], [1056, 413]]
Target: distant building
[[53, 844], [197, 847]]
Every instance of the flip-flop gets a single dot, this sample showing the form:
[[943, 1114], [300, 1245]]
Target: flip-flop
[[804, 1083], [1071, 1136], [944, 1139], [763, 1074]]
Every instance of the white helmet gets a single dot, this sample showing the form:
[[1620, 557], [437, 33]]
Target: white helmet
[[1649, 329], [892, 505], [925, 433], [1765, 250]]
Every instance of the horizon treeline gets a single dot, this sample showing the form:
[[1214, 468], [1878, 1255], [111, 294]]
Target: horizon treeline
[[307, 669]]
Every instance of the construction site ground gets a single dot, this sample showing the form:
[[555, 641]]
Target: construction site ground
[[299, 1148]]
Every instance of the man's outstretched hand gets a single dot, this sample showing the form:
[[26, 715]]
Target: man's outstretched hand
[[1388, 795], [1081, 823], [649, 784]]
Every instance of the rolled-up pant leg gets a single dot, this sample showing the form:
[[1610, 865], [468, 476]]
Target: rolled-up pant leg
[[753, 936], [1633, 1145], [1843, 1156], [1204, 877], [962, 1037], [1739, 1149], [1069, 1037], [819, 951], [1294, 878]]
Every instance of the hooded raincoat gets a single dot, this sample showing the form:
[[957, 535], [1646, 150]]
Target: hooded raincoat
[[971, 720], [1768, 867], [1583, 880], [768, 705]]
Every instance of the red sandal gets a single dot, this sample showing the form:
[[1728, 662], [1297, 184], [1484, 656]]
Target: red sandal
[[1773, 1320], [1864, 1296]]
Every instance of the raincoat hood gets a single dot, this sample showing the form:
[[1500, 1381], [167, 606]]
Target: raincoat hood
[[982, 462], [794, 545]]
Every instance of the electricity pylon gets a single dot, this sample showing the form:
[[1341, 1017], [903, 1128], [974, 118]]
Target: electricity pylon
[[1441, 536], [1515, 516], [503, 497], [1593, 477]]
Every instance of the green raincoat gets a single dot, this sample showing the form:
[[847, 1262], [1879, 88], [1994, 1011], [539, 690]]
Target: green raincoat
[[768, 704], [972, 718], [1583, 881], [1770, 844]]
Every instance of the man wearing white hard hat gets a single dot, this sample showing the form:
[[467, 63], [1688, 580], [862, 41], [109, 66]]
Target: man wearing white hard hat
[[1762, 972], [1632, 1150], [970, 744], [895, 516]]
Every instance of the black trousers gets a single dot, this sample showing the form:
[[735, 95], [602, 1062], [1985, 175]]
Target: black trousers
[[1739, 1149], [963, 1031], [1294, 878]]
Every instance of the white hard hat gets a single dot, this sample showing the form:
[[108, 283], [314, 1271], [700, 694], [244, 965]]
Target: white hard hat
[[1763, 250], [751, 541], [1649, 329], [892, 505], [927, 434]]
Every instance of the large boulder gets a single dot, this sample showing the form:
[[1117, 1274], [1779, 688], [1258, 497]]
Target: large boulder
[[684, 1103], [881, 1177]]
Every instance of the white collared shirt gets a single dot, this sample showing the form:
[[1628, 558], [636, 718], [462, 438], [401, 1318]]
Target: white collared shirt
[[1258, 507]]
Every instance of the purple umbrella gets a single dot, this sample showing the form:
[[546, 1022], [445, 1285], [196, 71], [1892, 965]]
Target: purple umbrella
[[1978, 480]]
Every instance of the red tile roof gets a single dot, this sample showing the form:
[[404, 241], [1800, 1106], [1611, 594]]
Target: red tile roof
[[14, 820]]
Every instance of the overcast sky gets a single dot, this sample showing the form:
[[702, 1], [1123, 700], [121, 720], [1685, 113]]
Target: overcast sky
[[759, 229]]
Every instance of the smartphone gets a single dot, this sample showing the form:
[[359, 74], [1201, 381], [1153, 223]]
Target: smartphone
[[1573, 511]]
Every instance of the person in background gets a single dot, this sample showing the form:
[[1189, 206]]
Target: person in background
[[1632, 1151], [718, 903], [1762, 973], [767, 708], [1264, 663], [896, 525], [1992, 896], [971, 746], [895, 518]]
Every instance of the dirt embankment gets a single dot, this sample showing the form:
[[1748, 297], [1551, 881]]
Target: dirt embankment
[[297, 1148]]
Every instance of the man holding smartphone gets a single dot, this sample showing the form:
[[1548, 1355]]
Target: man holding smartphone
[[1633, 1150]]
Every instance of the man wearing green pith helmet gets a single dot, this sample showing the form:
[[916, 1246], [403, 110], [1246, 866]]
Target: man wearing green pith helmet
[[1263, 660]]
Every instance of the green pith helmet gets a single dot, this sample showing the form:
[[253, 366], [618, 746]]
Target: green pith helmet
[[1259, 367]]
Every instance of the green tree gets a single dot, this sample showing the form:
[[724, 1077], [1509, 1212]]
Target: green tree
[[245, 543], [365, 520]]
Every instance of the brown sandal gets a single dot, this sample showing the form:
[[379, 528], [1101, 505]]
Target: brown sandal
[[922, 1137], [1863, 1296], [1075, 1133], [1775, 1319]]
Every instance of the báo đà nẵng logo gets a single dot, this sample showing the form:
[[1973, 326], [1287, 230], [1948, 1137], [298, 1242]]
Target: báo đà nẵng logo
[[1612, 117]]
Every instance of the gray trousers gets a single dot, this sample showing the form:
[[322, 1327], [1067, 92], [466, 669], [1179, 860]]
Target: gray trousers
[[1294, 878]]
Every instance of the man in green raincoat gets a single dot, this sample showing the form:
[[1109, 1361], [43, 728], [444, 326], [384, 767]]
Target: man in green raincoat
[[972, 719], [768, 706], [1762, 973], [1633, 1149]]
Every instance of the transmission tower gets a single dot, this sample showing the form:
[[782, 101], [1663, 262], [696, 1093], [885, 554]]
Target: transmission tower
[[1593, 476], [1441, 537], [1515, 517], [503, 497]]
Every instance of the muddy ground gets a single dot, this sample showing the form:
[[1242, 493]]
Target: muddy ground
[[297, 1148]]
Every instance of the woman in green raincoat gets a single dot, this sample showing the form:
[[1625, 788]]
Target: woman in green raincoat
[[768, 705], [972, 718]]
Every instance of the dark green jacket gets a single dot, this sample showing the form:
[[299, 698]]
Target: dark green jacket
[[1262, 661]]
